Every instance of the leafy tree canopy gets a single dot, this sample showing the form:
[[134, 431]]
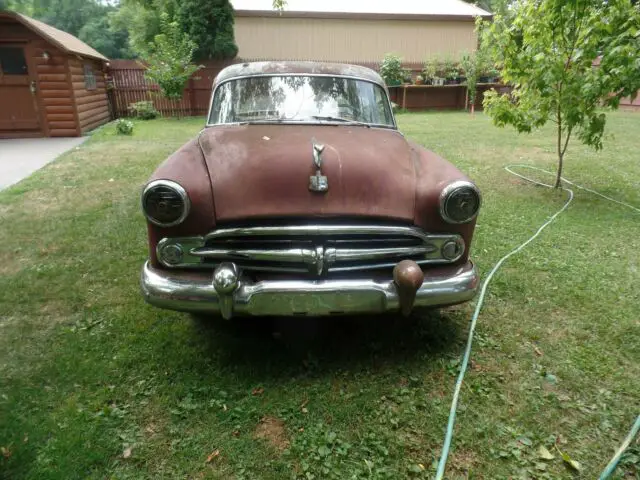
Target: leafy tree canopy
[[209, 23], [86, 19], [110, 41], [546, 50], [141, 19]]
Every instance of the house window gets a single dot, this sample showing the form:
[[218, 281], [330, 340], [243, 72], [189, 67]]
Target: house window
[[12, 61], [89, 77]]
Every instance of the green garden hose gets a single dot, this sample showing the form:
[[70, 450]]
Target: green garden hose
[[474, 319], [611, 466]]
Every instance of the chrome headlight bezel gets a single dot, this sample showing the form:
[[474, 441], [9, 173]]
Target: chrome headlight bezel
[[178, 189], [449, 191]]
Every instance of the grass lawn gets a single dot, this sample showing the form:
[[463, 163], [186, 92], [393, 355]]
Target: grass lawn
[[96, 384]]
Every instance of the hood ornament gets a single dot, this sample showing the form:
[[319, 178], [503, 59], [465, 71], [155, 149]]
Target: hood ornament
[[318, 182]]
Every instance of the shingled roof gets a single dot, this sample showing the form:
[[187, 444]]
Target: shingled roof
[[63, 40]]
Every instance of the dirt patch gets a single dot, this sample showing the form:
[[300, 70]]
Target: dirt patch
[[462, 462], [10, 265], [273, 431]]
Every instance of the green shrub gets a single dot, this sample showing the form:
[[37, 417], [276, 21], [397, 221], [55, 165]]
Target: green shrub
[[391, 69], [144, 110], [124, 127]]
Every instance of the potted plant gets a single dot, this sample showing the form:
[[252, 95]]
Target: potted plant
[[439, 68], [429, 72], [419, 80], [406, 76], [450, 71], [391, 70]]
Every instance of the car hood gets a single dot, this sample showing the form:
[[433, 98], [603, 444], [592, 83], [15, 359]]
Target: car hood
[[264, 170]]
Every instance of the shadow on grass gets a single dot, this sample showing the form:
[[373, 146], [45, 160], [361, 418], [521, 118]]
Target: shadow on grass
[[288, 346]]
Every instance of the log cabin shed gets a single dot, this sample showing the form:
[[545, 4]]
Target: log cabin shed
[[51, 83]]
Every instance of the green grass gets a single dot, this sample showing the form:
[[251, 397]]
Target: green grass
[[96, 384]]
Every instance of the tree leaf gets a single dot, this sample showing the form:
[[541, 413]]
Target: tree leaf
[[525, 441], [257, 391], [416, 468], [570, 462], [545, 454], [213, 455]]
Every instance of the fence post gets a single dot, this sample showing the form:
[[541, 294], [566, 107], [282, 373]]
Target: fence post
[[192, 96]]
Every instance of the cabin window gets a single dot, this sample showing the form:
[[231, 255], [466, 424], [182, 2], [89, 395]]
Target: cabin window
[[89, 77], [12, 61]]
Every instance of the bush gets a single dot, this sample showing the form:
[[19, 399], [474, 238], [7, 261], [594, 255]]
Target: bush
[[391, 69], [124, 127], [144, 110]]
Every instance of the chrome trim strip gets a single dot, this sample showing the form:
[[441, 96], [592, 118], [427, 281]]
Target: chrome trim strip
[[286, 255], [190, 292], [448, 190], [307, 255], [239, 77], [179, 190], [327, 230], [364, 254]]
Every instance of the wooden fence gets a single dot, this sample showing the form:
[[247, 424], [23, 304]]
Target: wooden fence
[[128, 85]]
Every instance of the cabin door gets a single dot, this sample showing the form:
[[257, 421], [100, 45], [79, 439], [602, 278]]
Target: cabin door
[[18, 106]]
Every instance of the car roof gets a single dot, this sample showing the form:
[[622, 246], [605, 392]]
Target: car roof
[[287, 68]]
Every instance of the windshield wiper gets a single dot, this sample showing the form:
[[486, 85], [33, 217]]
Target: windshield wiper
[[268, 120], [341, 120]]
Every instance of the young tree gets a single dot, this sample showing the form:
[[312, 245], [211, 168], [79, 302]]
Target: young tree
[[209, 23], [547, 50], [169, 63]]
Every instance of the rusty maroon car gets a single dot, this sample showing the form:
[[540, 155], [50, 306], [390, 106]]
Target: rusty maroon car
[[301, 197]]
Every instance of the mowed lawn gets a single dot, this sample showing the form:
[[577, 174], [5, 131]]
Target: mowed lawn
[[96, 384]]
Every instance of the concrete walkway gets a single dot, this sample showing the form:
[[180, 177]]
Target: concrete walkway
[[20, 157]]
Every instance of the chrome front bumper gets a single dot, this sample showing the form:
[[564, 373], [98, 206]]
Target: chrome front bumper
[[195, 292]]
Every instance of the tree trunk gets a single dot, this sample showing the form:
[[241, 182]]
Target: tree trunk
[[560, 154], [559, 176]]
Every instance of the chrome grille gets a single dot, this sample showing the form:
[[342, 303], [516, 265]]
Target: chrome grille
[[313, 249]]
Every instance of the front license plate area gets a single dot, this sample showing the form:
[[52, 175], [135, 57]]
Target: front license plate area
[[318, 303]]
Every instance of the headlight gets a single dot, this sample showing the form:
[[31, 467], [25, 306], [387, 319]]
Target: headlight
[[459, 202], [165, 203]]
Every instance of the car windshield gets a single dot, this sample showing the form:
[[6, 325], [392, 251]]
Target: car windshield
[[311, 99]]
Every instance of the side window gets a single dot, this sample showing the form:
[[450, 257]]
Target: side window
[[12, 61], [89, 77]]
